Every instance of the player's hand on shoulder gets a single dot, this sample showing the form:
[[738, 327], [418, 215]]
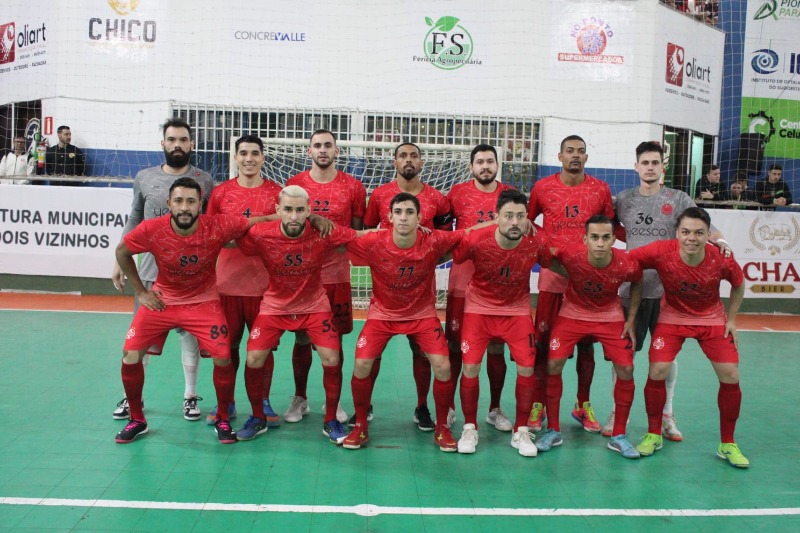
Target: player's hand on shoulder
[[424, 229], [324, 225]]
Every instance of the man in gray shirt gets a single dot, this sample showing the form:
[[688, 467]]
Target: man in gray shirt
[[150, 194]]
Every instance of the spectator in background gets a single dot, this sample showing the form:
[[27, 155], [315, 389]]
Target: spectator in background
[[772, 190], [738, 193], [64, 158], [709, 187], [16, 163]]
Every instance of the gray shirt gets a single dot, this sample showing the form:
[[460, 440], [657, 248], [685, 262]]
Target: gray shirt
[[150, 194]]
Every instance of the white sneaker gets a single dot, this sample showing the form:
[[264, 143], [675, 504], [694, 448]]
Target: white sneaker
[[451, 417], [499, 420], [297, 409], [608, 428], [469, 439], [521, 440], [669, 429], [341, 414]]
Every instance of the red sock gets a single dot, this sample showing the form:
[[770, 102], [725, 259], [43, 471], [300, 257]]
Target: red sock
[[729, 400], [301, 365], [455, 370], [376, 369], [224, 378], [496, 370], [443, 394], [341, 356], [269, 370], [422, 378], [470, 391], [362, 396], [253, 382], [540, 373], [523, 392], [623, 399], [332, 381], [555, 389], [133, 382], [584, 366], [655, 396]]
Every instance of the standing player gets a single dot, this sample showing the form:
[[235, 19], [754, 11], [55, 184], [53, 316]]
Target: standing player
[[591, 308], [434, 212], [498, 308], [342, 199], [150, 201], [471, 203], [185, 247], [691, 273], [566, 200]]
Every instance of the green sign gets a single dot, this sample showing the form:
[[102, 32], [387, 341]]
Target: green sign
[[778, 121]]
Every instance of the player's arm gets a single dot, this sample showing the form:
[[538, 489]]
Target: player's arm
[[324, 225], [357, 223], [149, 299], [735, 303], [716, 238], [136, 217], [629, 329], [555, 265]]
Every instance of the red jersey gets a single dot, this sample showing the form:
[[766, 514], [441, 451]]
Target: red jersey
[[294, 266], [470, 206], [432, 204], [402, 278], [566, 210], [186, 265], [592, 293], [691, 293], [501, 284], [339, 201], [239, 274]]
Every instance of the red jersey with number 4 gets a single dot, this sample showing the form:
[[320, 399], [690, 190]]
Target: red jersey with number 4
[[565, 210], [186, 265], [339, 201], [402, 278], [432, 204], [239, 274], [691, 293], [294, 266]]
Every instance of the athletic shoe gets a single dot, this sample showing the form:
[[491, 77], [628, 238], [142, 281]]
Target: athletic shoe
[[297, 409], [731, 453], [358, 437], [651, 443], [669, 429], [550, 439], [341, 414], [443, 438], [122, 412], [133, 429], [537, 418], [469, 439], [521, 440], [334, 430], [190, 410], [451, 417], [499, 420], [585, 416], [251, 429], [622, 445], [225, 433], [423, 420], [272, 418], [608, 428], [211, 418], [352, 422]]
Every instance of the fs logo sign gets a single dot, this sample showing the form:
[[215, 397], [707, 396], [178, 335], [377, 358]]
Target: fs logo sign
[[7, 48], [448, 45]]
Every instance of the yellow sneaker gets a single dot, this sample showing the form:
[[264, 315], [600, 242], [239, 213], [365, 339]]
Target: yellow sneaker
[[731, 453]]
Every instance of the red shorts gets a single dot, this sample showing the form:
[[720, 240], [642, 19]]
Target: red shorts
[[569, 331], [516, 331], [340, 295], [375, 335], [547, 307], [204, 320], [668, 339], [239, 311], [268, 329], [454, 318]]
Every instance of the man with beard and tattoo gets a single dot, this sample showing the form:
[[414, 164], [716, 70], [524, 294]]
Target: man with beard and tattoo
[[150, 195], [434, 213]]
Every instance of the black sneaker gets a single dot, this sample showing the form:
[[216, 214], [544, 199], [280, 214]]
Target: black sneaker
[[133, 429], [190, 410], [225, 433], [422, 417], [352, 421]]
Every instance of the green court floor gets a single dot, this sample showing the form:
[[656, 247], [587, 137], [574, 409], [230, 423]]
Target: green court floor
[[62, 471]]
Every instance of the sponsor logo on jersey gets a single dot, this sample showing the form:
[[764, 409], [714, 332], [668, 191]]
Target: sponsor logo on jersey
[[131, 333], [543, 326], [555, 343], [667, 209], [464, 347], [256, 333], [362, 341], [658, 343], [455, 325]]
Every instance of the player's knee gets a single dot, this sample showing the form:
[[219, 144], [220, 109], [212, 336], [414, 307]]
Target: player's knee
[[471, 371], [218, 361], [555, 366], [256, 359], [524, 371], [659, 371], [624, 372]]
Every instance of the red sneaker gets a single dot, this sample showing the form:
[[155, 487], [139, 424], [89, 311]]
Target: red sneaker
[[358, 437], [444, 439]]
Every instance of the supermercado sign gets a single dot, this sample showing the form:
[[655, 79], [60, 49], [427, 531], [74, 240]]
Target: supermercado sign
[[61, 231]]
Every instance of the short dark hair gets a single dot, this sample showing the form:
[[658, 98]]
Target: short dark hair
[[322, 131], [188, 183], [570, 138], [775, 166], [249, 138], [406, 144], [176, 122], [511, 196], [649, 146], [404, 197], [481, 148], [694, 212], [600, 219], [62, 128], [711, 168]]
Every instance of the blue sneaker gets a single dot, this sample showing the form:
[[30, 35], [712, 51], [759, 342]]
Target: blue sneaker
[[622, 445], [273, 420], [550, 438], [335, 431], [211, 419], [252, 429]]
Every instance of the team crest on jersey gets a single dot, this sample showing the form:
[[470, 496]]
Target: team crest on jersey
[[455, 325], [362, 341], [667, 209], [256, 333], [555, 344], [131, 333], [658, 343], [543, 326], [464, 347]]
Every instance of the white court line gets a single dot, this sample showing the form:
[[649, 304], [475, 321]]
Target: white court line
[[79, 311], [375, 510]]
